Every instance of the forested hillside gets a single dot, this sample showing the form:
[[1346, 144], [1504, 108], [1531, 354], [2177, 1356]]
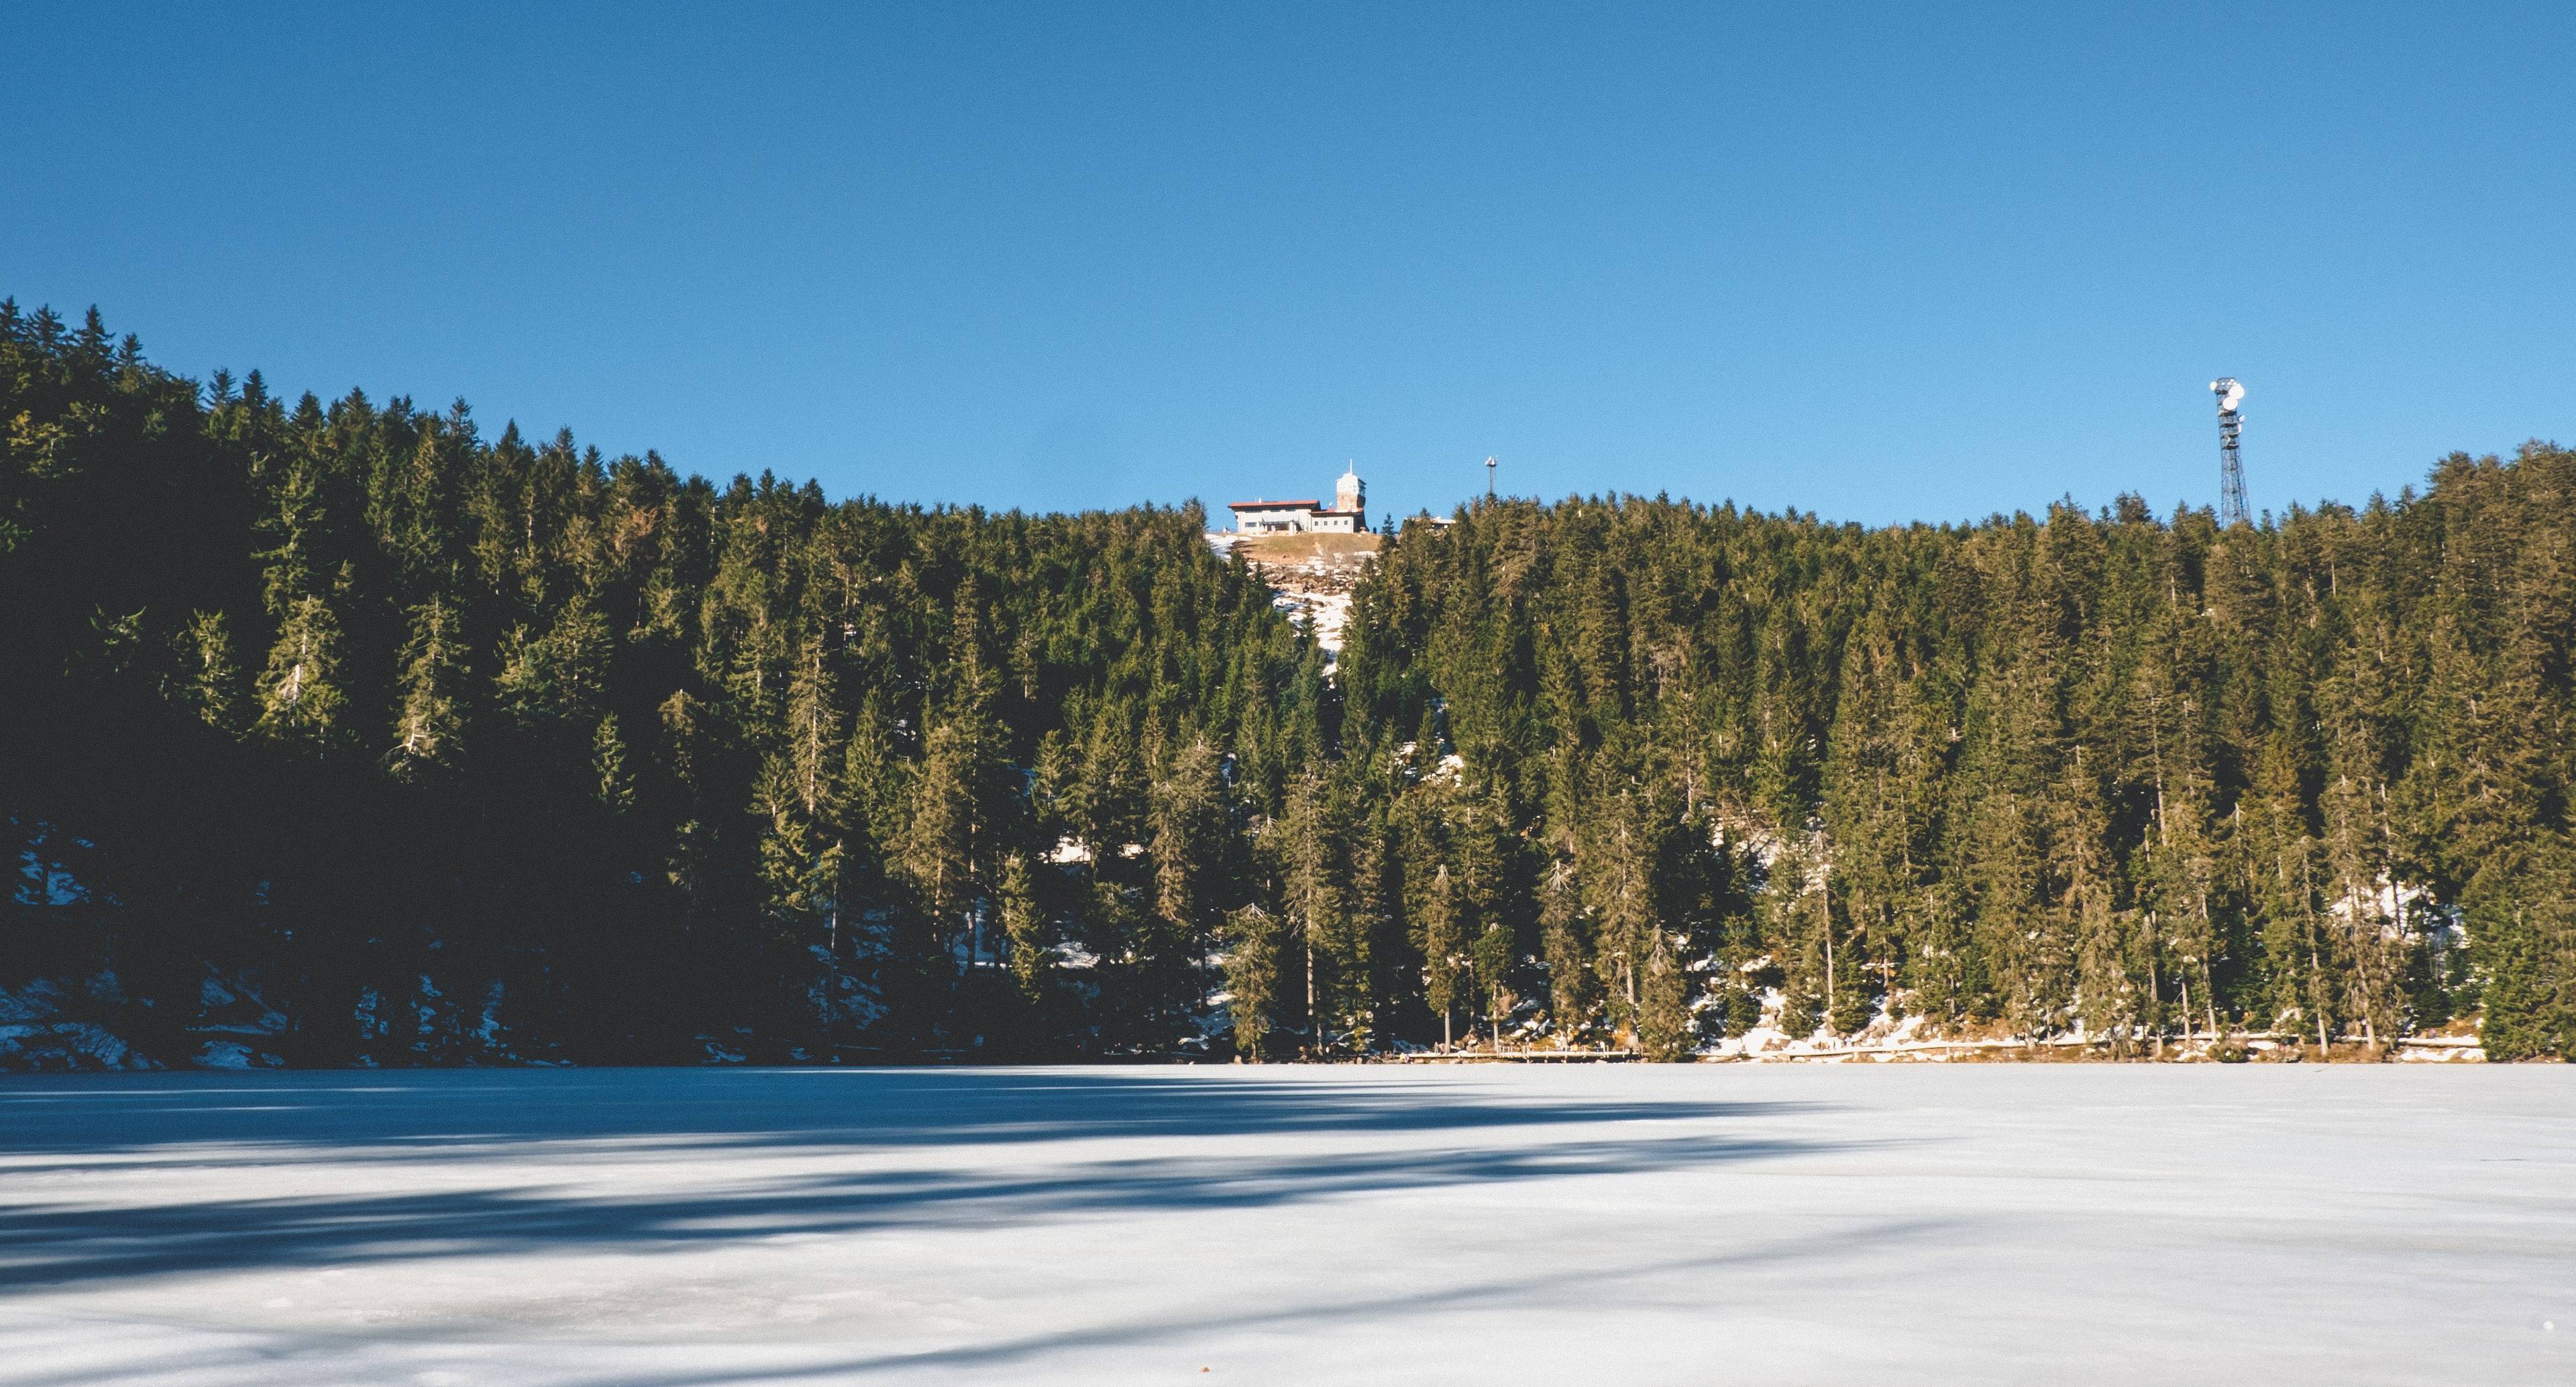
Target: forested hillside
[[2106, 770], [342, 733], [450, 748]]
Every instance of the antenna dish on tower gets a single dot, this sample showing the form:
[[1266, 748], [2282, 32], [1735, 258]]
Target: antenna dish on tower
[[2231, 470]]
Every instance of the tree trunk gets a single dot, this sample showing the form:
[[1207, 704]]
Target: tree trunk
[[1315, 1023], [831, 976], [2317, 972], [1825, 892], [2156, 1001]]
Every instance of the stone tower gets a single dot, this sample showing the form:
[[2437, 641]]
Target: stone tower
[[1351, 494]]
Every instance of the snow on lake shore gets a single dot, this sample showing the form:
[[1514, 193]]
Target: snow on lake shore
[[662, 1228]]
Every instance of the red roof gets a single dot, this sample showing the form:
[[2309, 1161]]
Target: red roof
[[1274, 505]]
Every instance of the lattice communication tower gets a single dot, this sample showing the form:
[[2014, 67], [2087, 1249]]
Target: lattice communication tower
[[2231, 469]]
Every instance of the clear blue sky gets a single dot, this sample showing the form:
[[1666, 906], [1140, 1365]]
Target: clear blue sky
[[1882, 263]]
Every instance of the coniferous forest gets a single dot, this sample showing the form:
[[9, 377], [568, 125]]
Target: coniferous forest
[[345, 733]]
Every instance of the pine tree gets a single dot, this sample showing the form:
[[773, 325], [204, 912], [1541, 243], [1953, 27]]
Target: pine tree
[[1574, 990], [938, 850], [1490, 963], [1619, 870], [1256, 949], [301, 696], [430, 728], [211, 681], [1444, 948], [608, 767], [1189, 830], [1666, 1025], [1317, 900], [2115, 961], [1024, 923]]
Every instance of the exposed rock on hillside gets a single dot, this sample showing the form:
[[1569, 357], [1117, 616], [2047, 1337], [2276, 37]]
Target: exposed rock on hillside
[[1310, 576]]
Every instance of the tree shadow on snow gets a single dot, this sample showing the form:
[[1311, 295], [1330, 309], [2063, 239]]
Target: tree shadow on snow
[[1545, 1288], [342, 1115], [878, 1115]]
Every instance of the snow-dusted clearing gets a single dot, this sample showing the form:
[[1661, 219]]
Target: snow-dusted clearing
[[662, 1228]]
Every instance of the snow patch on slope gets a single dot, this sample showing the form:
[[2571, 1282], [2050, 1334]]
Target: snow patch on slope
[[1314, 590]]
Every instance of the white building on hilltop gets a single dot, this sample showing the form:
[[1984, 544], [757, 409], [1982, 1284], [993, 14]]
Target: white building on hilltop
[[1348, 515]]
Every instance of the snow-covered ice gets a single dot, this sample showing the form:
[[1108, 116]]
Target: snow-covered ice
[[1484, 1225]]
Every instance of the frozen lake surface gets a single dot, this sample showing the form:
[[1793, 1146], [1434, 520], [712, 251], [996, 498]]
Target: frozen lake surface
[[1774, 1225]]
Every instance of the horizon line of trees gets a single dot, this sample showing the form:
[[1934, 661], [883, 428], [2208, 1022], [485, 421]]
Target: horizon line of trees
[[447, 749]]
